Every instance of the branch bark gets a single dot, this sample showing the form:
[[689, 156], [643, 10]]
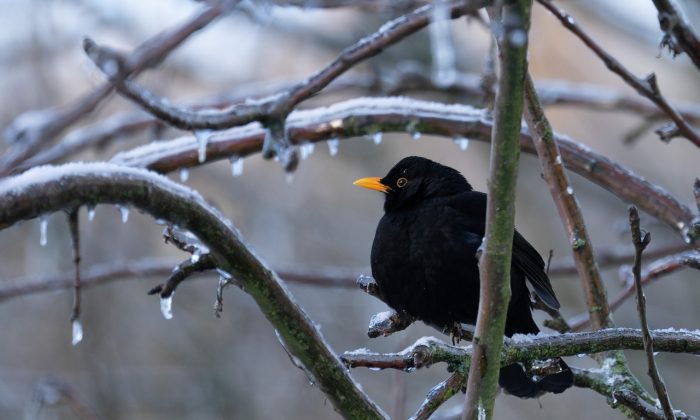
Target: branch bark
[[495, 262]]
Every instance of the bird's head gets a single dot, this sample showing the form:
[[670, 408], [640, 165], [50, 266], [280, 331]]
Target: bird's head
[[414, 179]]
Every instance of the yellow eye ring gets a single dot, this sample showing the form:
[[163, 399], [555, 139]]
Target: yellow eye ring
[[401, 182]]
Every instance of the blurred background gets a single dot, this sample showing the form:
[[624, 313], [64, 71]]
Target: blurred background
[[133, 363]]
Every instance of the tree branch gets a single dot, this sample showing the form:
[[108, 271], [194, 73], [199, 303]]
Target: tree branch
[[73, 185], [567, 205], [495, 262], [640, 241], [646, 87], [678, 34]]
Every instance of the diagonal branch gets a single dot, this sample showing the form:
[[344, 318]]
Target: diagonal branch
[[73, 185], [567, 205], [646, 87], [640, 240]]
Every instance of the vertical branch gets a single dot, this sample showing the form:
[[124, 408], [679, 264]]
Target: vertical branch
[[640, 242], [75, 238], [494, 265], [569, 210]]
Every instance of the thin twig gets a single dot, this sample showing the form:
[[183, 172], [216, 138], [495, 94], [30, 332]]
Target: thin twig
[[647, 87], [181, 272], [439, 394], [640, 240]]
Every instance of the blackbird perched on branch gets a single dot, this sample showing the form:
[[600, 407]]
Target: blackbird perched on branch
[[424, 260]]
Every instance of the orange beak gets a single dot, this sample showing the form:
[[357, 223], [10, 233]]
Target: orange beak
[[372, 183]]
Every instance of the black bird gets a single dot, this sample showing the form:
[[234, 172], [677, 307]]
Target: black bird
[[424, 260]]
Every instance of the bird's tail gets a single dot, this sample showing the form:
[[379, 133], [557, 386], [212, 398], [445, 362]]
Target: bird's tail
[[513, 380]]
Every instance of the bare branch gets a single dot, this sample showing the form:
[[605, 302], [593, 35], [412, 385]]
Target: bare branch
[[641, 240], [646, 87], [72, 185], [567, 205], [73, 226], [646, 411], [439, 395]]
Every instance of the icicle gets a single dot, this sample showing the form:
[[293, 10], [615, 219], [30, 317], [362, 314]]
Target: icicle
[[377, 137], [196, 255], [184, 174], [91, 213], [462, 142], [77, 328], [305, 150], [43, 227], [124, 210], [444, 73], [333, 145], [224, 279], [166, 306], [236, 166], [412, 128], [202, 140]]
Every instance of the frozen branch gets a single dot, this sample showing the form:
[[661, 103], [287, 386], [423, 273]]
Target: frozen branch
[[73, 185], [439, 395], [364, 116], [640, 240], [495, 261], [646, 87]]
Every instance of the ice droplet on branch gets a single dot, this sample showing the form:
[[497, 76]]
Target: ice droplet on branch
[[91, 213], [184, 174], [166, 306], [462, 142], [333, 145], [43, 227], [236, 166], [305, 150], [77, 328], [377, 137], [202, 140], [124, 210]]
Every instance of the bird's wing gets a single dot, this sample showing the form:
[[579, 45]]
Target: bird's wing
[[528, 260]]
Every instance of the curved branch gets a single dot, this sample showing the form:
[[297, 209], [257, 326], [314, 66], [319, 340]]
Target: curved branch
[[72, 185], [365, 116]]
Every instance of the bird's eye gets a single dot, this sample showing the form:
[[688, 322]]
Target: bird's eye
[[401, 182]]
